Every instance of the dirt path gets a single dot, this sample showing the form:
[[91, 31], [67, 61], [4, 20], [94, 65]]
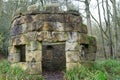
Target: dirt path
[[50, 75]]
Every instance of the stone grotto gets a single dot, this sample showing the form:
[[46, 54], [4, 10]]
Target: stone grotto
[[49, 40]]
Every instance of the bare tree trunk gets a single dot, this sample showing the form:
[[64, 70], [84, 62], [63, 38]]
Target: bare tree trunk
[[103, 43], [66, 4], [88, 16], [1, 2], [115, 25], [109, 31]]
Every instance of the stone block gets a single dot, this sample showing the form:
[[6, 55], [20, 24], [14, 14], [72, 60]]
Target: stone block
[[31, 36], [22, 65], [92, 49], [67, 18], [34, 67], [40, 35], [31, 26], [56, 26], [59, 36], [46, 26], [92, 41], [72, 22], [39, 17], [72, 27], [16, 30], [77, 19], [24, 28], [72, 56], [13, 58], [60, 18], [23, 19], [77, 27], [39, 46], [17, 21], [73, 36], [23, 39], [47, 36], [37, 55], [44, 36], [68, 26], [83, 38], [19, 40], [73, 18], [29, 56], [37, 26], [32, 46], [54, 18], [51, 17], [72, 46], [83, 29], [71, 66], [28, 19], [91, 56], [12, 49]]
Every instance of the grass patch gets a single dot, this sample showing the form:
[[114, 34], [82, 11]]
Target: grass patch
[[100, 70], [9, 73]]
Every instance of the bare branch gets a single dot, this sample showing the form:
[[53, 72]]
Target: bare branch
[[99, 26], [104, 15], [80, 0]]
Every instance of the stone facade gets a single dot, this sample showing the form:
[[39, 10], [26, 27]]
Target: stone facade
[[36, 28]]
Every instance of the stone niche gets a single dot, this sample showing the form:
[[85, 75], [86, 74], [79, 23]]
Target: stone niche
[[46, 40]]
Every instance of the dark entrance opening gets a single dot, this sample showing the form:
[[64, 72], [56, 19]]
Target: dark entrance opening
[[21, 50], [53, 57]]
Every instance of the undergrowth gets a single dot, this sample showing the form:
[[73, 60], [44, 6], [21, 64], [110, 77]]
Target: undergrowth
[[99, 70], [9, 73]]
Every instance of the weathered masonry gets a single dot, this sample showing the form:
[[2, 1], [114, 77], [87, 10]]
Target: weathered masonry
[[49, 40]]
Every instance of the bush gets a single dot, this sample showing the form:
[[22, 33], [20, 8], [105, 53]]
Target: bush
[[4, 42], [4, 66], [9, 73]]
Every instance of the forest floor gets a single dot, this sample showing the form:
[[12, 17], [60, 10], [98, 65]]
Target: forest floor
[[53, 75]]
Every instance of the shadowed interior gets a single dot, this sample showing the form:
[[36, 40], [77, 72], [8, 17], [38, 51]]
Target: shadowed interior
[[53, 57], [21, 50]]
